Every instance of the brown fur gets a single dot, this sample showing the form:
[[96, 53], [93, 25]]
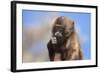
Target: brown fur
[[71, 45]]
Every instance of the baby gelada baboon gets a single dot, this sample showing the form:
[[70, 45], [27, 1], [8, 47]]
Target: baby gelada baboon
[[64, 44]]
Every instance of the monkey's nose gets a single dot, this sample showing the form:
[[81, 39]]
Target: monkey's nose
[[58, 34]]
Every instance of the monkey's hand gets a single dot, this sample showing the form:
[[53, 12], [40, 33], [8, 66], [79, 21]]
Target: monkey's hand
[[53, 40]]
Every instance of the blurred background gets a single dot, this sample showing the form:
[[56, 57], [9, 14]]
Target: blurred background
[[37, 26]]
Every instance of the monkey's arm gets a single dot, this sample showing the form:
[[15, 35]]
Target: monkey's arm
[[76, 55], [76, 52], [50, 51]]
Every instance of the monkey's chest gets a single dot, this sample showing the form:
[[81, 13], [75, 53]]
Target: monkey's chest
[[58, 49], [58, 45], [57, 57]]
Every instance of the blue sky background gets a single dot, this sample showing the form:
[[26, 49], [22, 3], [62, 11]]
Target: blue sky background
[[40, 20]]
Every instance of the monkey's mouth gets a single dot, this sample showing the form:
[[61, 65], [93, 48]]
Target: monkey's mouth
[[57, 40]]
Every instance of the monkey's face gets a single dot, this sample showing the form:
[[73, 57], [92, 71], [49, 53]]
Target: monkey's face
[[62, 29], [58, 35]]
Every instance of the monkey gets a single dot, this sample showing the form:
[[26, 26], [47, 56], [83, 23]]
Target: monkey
[[64, 41]]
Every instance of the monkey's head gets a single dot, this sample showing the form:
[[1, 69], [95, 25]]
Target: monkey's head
[[62, 29]]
